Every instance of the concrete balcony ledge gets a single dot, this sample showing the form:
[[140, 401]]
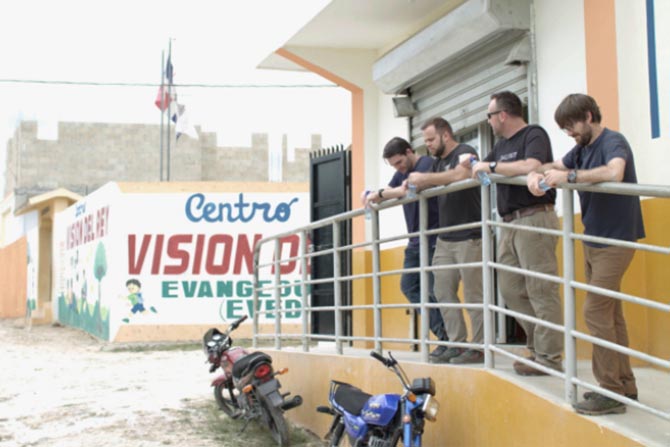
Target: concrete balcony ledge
[[506, 409]]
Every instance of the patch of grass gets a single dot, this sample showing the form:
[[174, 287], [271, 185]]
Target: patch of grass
[[192, 345], [229, 431], [151, 347]]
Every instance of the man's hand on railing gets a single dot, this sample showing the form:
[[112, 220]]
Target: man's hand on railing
[[554, 177], [533, 181], [418, 179]]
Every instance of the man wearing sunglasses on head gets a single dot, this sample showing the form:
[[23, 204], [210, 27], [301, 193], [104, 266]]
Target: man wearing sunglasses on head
[[520, 149]]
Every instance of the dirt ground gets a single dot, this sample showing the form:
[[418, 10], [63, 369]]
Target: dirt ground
[[62, 387]]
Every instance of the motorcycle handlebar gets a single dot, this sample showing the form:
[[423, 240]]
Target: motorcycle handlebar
[[238, 322], [381, 358]]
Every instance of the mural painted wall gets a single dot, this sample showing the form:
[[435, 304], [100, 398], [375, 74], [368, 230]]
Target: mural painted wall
[[83, 247], [173, 258]]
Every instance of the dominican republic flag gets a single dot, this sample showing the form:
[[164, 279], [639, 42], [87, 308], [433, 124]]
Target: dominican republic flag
[[183, 124], [166, 93]]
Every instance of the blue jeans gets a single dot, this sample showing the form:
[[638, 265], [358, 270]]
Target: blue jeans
[[410, 284]]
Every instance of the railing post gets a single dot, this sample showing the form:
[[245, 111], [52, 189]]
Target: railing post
[[569, 295], [254, 315], [337, 287], [487, 283], [376, 282], [277, 267], [304, 249], [424, 250]]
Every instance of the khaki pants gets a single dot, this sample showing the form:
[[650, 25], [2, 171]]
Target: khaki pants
[[446, 286], [604, 267], [532, 296]]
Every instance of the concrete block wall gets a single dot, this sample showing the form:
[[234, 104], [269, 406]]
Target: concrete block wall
[[87, 155]]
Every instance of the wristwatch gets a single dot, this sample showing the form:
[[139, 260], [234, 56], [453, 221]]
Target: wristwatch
[[380, 193], [492, 166], [572, 176]]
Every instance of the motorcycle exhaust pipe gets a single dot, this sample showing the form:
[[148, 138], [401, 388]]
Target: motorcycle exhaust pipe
[[295, 402]]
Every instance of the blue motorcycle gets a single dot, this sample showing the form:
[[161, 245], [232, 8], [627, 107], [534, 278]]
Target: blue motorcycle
[[383, 419]]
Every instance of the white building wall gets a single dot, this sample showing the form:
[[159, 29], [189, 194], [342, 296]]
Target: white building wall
[[652, 155], [561, 62]]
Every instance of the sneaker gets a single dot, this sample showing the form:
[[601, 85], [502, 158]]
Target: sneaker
[[438, 351], [525, 370], [591, 394], [468, 356], [599, 405], [447, 355]]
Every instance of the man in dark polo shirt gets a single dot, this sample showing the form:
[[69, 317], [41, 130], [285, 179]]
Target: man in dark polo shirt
[[455, 247], [521, 149], [399, 154], [601, 155]]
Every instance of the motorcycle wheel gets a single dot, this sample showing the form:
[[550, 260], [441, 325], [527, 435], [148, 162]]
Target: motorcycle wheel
[[395, 439], [336, 438], [274, 420], [226, 403]]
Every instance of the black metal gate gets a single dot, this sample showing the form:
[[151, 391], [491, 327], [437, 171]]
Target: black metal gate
[[330, 187]]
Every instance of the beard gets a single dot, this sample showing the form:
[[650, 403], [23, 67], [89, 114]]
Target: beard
[[440, 150], [585, 137]]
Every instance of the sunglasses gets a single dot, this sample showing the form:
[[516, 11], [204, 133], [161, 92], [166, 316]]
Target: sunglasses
[[490, 114]]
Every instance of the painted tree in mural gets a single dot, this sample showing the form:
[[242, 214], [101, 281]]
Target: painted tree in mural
[[100, 266], [99, 271]]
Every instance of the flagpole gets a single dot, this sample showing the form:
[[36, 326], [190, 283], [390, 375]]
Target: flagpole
[[160, 168], [169, 110]]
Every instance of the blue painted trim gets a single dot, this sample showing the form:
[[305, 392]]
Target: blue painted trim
[[653, 81]]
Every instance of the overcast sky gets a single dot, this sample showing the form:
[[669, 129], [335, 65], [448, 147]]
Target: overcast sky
[[214, 42]]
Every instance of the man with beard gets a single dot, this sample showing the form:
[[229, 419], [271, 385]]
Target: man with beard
[[452, 164], [601, 155], [521, 149], [399, 154]]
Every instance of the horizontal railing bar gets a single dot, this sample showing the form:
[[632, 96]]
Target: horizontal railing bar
[[537, 321], [621, 296], [621, 349], [525, 272]]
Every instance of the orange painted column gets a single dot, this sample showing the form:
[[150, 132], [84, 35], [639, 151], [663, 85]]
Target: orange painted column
[[602, 79], [357, 131]]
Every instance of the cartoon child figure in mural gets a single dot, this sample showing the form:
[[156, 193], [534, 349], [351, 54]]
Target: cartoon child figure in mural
[[135, 299]]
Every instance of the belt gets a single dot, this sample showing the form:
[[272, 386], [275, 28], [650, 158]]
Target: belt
[[528, 211]]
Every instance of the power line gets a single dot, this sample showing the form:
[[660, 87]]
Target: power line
[[146, 84]]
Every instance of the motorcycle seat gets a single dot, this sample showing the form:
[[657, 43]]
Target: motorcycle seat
[[350, 398], [249, 362]]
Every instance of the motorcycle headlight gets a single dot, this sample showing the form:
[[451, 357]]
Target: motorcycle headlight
[[430, 408]]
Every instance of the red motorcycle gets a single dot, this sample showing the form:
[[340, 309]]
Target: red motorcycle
[[248, 387]]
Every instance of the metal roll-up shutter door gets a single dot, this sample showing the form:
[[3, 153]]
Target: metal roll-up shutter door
[[461, 91]]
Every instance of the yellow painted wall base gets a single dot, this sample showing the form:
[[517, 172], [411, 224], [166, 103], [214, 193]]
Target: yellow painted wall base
[[646, 277], [477, 407]]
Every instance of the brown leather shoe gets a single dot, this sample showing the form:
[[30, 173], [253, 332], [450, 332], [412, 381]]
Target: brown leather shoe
[[524, 370]]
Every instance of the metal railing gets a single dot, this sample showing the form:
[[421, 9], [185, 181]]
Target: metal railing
[[490, 306]]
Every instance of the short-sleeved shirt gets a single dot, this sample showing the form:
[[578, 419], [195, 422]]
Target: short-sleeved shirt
[[411, 210], [530, 142], [460, 207], [608, 215]]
